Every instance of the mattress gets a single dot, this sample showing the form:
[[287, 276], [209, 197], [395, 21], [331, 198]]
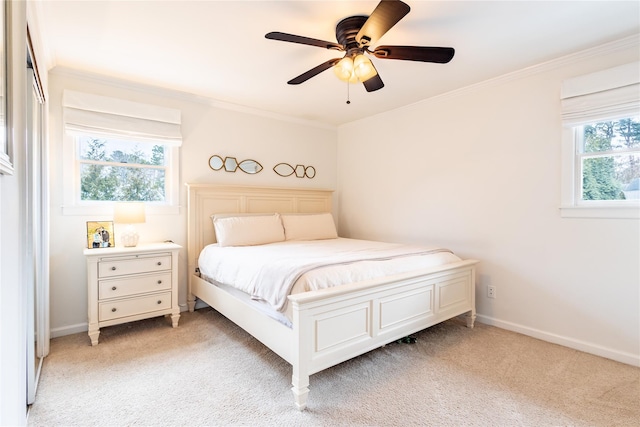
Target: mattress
[[268, 273]]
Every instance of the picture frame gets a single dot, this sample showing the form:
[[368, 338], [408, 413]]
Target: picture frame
[[6, 163], [100, 234]]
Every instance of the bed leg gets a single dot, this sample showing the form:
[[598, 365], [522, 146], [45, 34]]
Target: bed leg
[[471, 318], [191, 302], [300, 391]]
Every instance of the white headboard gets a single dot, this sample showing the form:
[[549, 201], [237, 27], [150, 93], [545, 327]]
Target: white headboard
[[205, 200]]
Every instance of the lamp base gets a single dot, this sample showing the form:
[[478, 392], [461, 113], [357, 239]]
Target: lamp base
[[130, 237]]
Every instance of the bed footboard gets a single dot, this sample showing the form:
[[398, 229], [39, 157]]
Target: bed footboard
[[334, 325]]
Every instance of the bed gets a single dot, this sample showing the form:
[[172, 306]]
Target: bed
[[330, 325]]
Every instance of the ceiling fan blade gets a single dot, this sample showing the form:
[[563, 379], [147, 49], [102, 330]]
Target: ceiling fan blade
[[441, 55], [275, 35], [385, 15], [313, 72], [374, 83]]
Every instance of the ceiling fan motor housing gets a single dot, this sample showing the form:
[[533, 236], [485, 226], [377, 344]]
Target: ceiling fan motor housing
[[346, 32]]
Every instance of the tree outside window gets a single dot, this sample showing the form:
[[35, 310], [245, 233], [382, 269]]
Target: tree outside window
[[115, 170], [609, 157]]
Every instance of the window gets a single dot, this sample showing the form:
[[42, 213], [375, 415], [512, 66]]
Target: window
[[116, 170], [601, 144], [608, 160], [118, 150]]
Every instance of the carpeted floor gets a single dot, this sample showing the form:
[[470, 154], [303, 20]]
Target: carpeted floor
[[210, 372]]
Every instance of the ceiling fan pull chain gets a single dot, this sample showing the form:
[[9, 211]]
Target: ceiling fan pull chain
[[348, 102]]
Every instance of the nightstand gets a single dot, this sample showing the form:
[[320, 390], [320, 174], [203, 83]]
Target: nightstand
[[127, 284]]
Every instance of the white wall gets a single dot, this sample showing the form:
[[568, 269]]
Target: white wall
[[207, 129], [478, 171]]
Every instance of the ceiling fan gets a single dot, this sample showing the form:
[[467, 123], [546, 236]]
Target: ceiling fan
[[355, 34]]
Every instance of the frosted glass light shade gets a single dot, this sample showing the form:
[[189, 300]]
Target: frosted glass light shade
[[344, 70], [363, 68], [354, 70], [129, 213]]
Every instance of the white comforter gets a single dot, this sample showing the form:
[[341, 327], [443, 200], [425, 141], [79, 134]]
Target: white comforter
[[270, 272]]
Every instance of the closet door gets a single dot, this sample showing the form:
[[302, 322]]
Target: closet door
[[37, 231]]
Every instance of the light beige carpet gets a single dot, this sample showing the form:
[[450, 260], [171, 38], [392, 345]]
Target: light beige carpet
[[210, 372]]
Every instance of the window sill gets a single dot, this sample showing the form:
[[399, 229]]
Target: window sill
[[619, 212], [107, 210]]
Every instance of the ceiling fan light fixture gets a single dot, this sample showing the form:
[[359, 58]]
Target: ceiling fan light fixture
[[354, 70], [363, 68], [344, 70]]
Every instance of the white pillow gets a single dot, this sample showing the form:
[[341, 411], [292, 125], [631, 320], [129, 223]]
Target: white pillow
[[309, 226], [248, 230]]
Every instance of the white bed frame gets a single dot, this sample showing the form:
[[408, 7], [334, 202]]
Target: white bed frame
[[329, 325]]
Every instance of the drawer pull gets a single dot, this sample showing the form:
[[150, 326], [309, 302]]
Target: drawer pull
[[159, 282], [113, 309], [113, 269], [113, 288], [159, 301], [159, 262]]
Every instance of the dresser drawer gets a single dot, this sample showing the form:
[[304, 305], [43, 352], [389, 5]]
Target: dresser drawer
[[132, 306], [142, 264], [114, 288]]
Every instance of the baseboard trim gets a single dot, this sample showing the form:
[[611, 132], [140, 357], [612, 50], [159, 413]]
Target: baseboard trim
[[200, 304], [618, 356], [84, 327], [69, 330]]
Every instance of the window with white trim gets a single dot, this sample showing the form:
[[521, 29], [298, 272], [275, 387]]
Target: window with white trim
[[118, 150], [121, 170], [608, 160], [601, 144]]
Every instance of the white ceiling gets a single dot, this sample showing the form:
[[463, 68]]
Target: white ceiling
[[217, 49]]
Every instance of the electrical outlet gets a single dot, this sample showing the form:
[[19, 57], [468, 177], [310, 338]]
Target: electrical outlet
[[491, 291]]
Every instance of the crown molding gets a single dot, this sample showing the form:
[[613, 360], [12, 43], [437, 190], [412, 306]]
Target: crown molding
[[594, 52]]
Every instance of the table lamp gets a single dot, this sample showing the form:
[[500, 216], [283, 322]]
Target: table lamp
[[129, 213]]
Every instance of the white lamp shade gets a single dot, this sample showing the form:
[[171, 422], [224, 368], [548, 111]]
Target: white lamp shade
[[129, 212]]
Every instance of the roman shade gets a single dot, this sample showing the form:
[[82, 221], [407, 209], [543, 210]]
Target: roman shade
[[95, 115], [605, 95]]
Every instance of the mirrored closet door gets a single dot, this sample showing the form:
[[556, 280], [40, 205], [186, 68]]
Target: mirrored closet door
[[36, 252]]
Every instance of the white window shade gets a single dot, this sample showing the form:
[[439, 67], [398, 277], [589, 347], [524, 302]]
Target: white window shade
[[96, 115], [605, 95]]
